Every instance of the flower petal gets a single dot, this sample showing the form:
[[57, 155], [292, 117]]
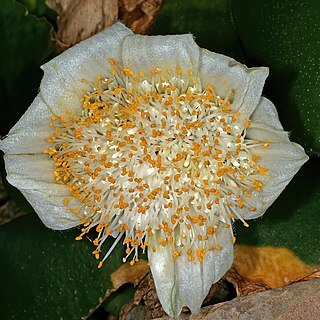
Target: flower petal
[[283, 160], [30, 133], [262, 132], [266, 113], [145, 53], [230, 78], [62, 83], [47, 206], [33, 176], [180, 282]]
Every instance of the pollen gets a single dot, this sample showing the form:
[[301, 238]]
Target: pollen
[[155, 153]]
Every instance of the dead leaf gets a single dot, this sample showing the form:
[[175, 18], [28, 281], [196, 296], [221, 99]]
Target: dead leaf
[[255, 269], [219, 292], [297, 301], [146, 294], [272, 266], [81, 19], [241, 285], [129, 274], [139, 15], [132, 311]]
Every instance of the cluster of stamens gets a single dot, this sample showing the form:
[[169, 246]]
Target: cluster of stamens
[[155, 153]]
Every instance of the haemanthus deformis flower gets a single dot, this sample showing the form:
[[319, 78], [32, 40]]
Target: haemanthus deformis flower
[[157, 143]]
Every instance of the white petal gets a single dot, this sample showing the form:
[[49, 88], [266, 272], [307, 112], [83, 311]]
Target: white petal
[[33, 176], [262, 132], [145, 53], [228, 77], [30, 133], [50, 208], [283, 161], [180, 282], [267, 113], [62, 85]]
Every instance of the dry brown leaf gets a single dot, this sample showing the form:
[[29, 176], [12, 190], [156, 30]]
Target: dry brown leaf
[[146, 304], [81, 19], [129, 274], [146, 294], [297, 301], [272, 266], [139, 15], [255, 269], [243, 286], [132, 311]]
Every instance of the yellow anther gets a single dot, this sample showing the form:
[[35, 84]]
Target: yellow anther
[[266, 144]]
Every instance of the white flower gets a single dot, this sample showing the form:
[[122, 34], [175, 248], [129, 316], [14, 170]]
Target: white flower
[[156, 140]]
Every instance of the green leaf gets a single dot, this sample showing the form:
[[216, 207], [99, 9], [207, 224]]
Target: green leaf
[[39, 8], [47, 274], [26, 44], [284, 36], [114, 303], [13, 192], [209, 21], [293, 220]]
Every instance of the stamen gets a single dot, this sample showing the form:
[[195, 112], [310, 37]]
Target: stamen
[[157, 154]]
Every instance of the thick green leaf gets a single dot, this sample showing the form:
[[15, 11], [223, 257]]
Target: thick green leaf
[[293, 220], [284, 35], [39, 8], [47, 274], [13, 192], [209, 21], [25, 46]]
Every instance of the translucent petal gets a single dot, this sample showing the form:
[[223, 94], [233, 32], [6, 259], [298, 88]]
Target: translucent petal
[[145, 53], [262, 132], [266, 113], [50, 209], [33, 176], [180, 282], [283, 160], [232, 79], [62, 83], [30, 133]]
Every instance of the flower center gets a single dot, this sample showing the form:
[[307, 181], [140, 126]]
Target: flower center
[[155, 154]]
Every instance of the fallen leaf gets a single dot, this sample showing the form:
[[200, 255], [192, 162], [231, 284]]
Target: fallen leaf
[[139, 15], [129, 274], [132, 311], [219, 292], [243, 286], [146, 294], [146, 304], [81, 19], [255, 269], [297, 301], [272, 266]]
